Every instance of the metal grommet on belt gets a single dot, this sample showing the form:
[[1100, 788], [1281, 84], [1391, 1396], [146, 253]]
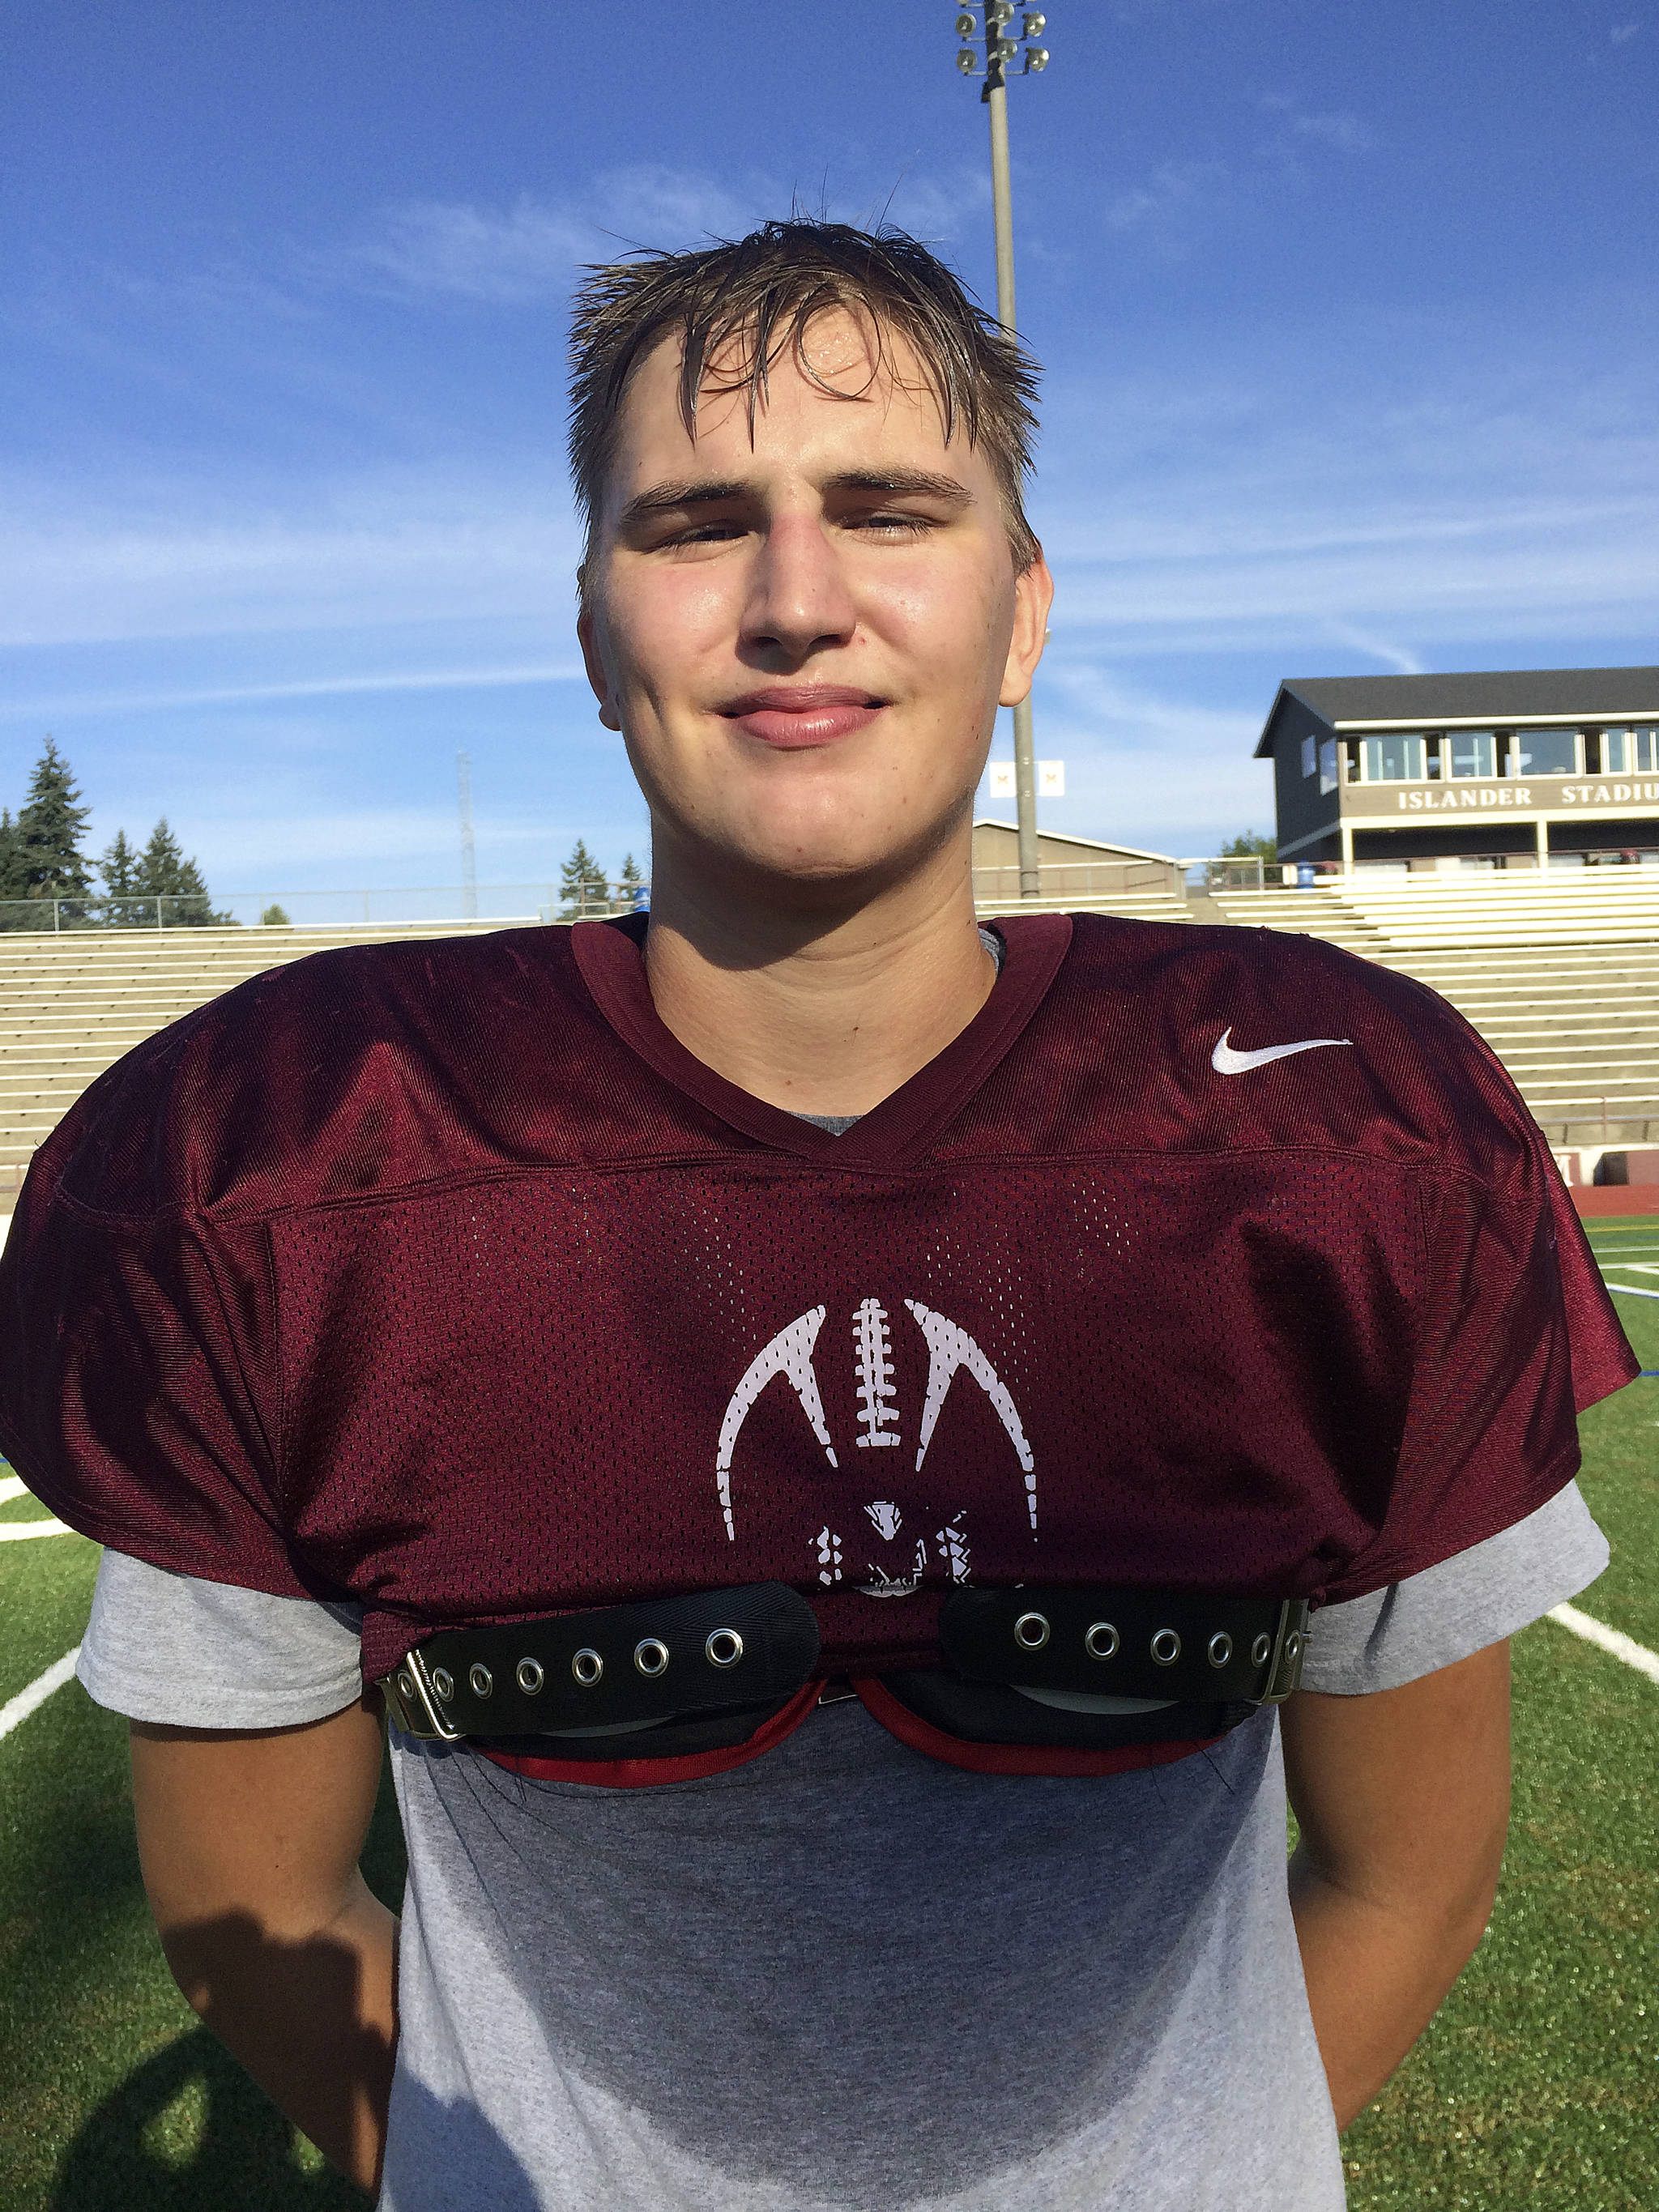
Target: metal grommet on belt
[[1031, 1631], [1220, 1648], [724, 1648], [1165, 1647], [530, 1676], [480, 1680], [1261, 1650], [442, 1681], [1100, 1639], [587, 1665], [650, 1655]]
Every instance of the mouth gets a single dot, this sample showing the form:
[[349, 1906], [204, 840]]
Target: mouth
[[791, 717]]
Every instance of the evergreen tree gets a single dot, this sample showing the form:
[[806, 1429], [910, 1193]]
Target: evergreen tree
[[123, 907], [163, 872], [48, 862], [11, 883], [273, 917], [631, 886], [583, 885]]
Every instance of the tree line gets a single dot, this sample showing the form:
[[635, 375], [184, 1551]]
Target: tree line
[[585, 890], [41, 860]]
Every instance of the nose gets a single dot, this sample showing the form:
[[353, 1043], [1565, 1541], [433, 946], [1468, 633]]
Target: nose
[[798, 598]]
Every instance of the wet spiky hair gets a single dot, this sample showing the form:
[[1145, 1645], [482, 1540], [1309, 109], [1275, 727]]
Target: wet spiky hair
[[748, 302]]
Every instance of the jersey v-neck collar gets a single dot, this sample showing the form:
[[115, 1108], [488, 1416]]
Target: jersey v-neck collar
[[611, 958]]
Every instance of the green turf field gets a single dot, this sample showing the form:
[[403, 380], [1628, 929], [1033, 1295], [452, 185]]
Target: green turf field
[[1536, 2090]]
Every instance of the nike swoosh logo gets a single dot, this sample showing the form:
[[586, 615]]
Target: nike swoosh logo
[[1227, 1061]]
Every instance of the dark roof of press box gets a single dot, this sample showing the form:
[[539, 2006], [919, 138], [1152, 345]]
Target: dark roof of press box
[[1574, 694]]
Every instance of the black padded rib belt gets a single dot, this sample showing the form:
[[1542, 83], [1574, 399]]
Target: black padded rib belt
[[607, 1673]]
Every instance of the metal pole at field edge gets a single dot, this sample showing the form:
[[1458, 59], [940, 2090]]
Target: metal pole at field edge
[[1030, 881], [999, 52]]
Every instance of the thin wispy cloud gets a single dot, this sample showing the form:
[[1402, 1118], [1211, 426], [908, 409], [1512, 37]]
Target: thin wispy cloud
[[351, 557], [62, 704], [1345, 132], [470, 253], [1166, 206], [1399, 658], [1117, 737], [1621, 34], [528, 251]]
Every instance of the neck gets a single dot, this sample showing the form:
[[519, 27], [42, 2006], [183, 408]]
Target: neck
[[821, 1012]]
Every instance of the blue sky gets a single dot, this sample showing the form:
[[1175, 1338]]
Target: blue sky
[[1349, 320]]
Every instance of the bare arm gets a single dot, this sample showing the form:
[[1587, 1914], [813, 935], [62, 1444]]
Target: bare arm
[[1403, 1799], [249, 1845]]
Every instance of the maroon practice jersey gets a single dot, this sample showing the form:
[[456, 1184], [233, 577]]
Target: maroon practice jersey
[[439, 1276]]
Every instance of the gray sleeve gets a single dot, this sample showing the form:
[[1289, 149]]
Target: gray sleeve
[[191, 1654], [1398, 1634]]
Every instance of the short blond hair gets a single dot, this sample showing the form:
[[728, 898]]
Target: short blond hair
[[758, 294]]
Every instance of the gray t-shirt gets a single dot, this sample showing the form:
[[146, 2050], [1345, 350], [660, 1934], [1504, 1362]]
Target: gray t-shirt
[[845, 1978]]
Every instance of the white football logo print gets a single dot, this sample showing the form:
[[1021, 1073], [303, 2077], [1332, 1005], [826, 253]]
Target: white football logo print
[[790, 1354]]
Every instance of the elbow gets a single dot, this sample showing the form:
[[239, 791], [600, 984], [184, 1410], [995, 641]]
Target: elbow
[[207, 1958]]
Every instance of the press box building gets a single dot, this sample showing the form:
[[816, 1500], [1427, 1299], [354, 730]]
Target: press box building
[[1528, 768]]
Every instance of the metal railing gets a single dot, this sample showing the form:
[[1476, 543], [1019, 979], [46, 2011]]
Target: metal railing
[[322, 910]]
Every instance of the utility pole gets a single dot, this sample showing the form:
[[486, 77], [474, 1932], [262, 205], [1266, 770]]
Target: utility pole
[[1000, 53], [469, 855]]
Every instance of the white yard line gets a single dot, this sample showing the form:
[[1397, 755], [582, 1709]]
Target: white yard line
[[1613, 1640], [17, 1709], [11, 1486], [1632, 1290], [19, 1532]]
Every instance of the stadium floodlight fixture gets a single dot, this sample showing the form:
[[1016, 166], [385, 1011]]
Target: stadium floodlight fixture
[[1002, 52]]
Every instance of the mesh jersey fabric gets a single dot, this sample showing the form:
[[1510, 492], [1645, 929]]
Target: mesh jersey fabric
[[441, 1278]]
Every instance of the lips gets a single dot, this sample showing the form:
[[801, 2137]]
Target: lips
[[790, 717]]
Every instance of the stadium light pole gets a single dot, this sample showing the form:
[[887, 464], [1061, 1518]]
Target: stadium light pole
[[469, 856], [1000, 53]]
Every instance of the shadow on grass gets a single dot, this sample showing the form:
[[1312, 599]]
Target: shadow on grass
[[188, 2131]]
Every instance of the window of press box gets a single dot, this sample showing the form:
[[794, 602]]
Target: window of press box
[[1396, 758], [1628, 752], [1544, 752], [1470, 752], [1351, 760]]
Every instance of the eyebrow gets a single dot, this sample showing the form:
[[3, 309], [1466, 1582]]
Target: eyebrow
[[721, 491]]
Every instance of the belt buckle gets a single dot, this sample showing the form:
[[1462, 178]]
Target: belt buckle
[[408, 1693], [1284, 1669]]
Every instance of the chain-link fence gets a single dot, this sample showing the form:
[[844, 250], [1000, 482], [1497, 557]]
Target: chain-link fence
[[371, 907]]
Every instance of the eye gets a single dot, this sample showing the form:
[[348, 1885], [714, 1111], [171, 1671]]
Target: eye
[[898, 524], [706, 533]]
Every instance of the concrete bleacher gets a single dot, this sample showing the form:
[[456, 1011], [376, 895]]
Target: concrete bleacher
[[1137, 906], [71, 1005], [1559, 971]]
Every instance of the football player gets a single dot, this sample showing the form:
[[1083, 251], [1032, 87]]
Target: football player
[[837, 1431]]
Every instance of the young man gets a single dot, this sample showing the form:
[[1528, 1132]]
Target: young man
[[823, 1419]]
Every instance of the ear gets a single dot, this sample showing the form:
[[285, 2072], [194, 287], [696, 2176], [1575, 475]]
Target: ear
[[1033, 594], [593, 660]]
